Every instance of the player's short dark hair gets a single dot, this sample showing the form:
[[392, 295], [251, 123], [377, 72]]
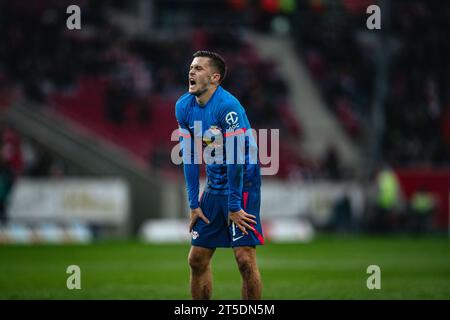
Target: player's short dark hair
[[216, 61]]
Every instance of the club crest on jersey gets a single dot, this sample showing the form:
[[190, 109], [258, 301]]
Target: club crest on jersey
[[212, 136], [232, 120]]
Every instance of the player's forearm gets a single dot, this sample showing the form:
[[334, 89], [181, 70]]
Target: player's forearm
[[190, 167], [191, 175], [235, 185]]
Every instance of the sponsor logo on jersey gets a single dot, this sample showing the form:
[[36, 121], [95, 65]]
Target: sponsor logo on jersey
[[232, 120]]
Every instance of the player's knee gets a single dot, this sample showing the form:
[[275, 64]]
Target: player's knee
[[197, 262], [245, 263]]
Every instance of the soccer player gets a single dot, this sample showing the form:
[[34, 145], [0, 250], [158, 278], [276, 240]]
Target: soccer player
[[227, 214]]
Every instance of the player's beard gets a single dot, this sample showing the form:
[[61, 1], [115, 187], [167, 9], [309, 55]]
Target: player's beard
[[202, 89], [199, 92]]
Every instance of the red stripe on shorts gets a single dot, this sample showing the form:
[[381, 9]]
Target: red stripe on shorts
[[258, 235]]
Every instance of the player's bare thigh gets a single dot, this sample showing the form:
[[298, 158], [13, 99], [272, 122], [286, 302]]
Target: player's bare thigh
[[199, 257]]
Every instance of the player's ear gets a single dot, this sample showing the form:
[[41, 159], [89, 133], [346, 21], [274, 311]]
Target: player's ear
[[216, 77]]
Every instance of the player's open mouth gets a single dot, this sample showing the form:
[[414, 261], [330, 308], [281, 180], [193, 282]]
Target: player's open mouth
[[191, 82]]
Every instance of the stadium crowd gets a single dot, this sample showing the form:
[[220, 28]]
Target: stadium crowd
[[417, 103], [126, 77], [19, 157]]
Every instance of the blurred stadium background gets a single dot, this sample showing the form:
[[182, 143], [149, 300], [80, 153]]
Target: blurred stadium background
[[86, 118]]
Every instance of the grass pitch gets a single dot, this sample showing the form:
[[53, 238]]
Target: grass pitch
[[330, 267]]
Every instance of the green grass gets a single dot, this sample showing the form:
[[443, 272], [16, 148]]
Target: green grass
[[330, 267]]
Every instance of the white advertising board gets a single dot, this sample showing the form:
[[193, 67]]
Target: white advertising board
[[99, 200]]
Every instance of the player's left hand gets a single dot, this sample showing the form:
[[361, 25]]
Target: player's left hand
[[241, 220], [195, 215]]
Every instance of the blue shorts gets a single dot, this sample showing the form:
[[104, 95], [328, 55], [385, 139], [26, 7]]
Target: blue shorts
[[218, 233]]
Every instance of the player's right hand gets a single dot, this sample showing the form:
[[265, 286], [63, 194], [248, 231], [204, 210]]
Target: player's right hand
[[195, 214], [242, 219]]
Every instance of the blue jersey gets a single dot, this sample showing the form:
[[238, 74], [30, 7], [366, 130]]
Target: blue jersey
[[223, 116]]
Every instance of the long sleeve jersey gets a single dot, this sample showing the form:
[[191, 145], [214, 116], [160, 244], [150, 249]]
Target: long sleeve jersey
[[222, 121]]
